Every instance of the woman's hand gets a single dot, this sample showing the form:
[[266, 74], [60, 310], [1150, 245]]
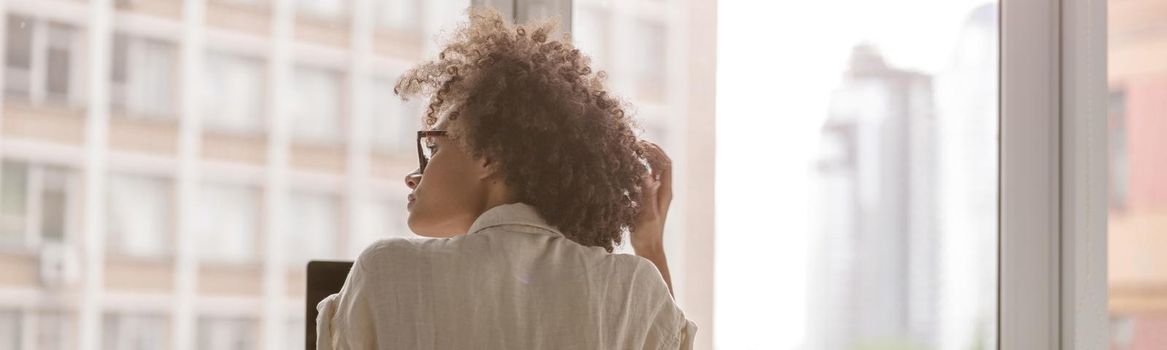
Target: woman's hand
[[655, 196]]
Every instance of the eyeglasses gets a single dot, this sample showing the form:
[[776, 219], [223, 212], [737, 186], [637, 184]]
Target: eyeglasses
[[425, 147]]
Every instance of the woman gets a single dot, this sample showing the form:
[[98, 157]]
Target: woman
[[529, 173]]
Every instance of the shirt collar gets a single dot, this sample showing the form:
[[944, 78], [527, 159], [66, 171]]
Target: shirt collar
[[511, 214]]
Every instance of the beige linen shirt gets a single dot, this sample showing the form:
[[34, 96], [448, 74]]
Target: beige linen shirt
[[512, 282]]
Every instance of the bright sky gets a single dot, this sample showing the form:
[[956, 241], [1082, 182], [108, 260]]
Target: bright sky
[[777, 63]]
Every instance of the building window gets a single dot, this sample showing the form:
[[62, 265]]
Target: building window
[[314, 224], [135, 332], [399, 15], [228, 223], [1119, 159], [148, 89], [140, 211], [35, 204], [59, 82], [649, 62], [18, 54], [383, 219], [323, 9], [394, 122], [233, 93], [226, 333], [41, 61], [55, 331], [316, 106], [10, 329], [13, 204]]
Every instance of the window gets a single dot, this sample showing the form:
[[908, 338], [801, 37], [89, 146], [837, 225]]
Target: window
[[649, 59], [10, 330], [55, 203], [314, 227], [13, 204], [228, 333], [399, 15], [324, 9], [384, 218], [879, 171], [394, 121], [55, 330], [149, 89], [228, 223], [140, 210], [1137, 219], [316, 105], [59, 81], [18, 54], [134, 332], [42, 62], [233, 93], [35, 203]]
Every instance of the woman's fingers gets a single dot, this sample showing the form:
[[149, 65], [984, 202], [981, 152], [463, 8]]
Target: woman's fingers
[[662, 172]]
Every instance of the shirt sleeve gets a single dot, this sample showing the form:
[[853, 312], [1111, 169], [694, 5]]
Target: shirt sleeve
[[688, 334], [326, 311]]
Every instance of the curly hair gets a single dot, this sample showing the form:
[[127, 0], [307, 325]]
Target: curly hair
[[564, 144]]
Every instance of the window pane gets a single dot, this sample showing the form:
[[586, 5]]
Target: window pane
[[223, 333], [1138, 165], [58, 77], [55, 331], [134, 332], [13, 203], [228, 223], [10, 329], [400, 15], [316, 105], [327, 9], [55, 203], [18, 54], [873, 142], [233, 93], [139, 212], [147, 90], [314, 227], [394, 121]]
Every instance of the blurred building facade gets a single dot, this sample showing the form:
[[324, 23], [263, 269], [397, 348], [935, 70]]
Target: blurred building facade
[[170, 166], [1137, 123], [874, 277], [904, 252]]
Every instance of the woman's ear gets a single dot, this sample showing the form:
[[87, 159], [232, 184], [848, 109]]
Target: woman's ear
[[488, 168]]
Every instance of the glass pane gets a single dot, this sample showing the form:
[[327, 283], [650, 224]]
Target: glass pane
[[871, 135], [147, 90], [60, 56], [18, 56], [228, 223], [315, 220], [228, 333], [139, 210], [10, 329], [1138, 165], [13, 203], [55, 195], [316, 105], [134, 332], [233, 93]]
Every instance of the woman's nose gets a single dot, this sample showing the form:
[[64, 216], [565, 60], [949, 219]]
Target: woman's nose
[[413, 178]]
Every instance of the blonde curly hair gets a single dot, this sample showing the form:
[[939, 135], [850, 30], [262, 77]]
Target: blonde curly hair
[[565, 145]]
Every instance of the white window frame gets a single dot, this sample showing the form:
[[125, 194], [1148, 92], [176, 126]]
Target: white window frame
[[1052, 257], [1052, 155]]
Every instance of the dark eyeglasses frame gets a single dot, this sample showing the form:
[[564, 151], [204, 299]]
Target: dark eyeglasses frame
[[421, 159]]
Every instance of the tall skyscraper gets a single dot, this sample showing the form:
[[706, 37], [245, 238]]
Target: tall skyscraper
[[873, 281]]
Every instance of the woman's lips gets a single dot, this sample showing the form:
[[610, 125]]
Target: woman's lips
[[409, 199]]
